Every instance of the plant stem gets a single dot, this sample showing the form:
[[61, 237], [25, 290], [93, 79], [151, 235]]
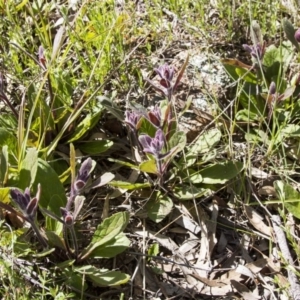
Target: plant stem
[[41, 239], [7, 102], [74, 238]]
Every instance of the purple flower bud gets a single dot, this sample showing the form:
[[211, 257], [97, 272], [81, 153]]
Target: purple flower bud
[[27, 205], [297, 35], [155, 116], [67, 217], [83, 174], [247, 48], [132, 118], [154, 145], [257, 51], [42, 58], [32, 207], [272, 88], [166, 74], [21, 199]]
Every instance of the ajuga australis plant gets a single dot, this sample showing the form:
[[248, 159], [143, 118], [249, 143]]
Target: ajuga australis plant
[[29, 207]]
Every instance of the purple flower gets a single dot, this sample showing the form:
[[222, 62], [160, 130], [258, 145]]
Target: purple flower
[[83, 174], [155, 116], [27, 205], [166, 74], [132, 119], [297, 35], [42, 58], [29, 208], [154, 145], [272, 88], [67, 216], [257, 51]]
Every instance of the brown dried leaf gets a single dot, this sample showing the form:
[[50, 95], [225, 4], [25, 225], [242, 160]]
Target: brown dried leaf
[[14, 219], [217, 291], [259, 174], [162, 239], [209, 282], [189, 243], [256, 266], [212, 226], [183, 218], [257, 221], [222, 243], [267, 191], [236, 63], [244, 291]]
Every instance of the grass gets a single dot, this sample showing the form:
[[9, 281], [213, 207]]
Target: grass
[[217, 191]]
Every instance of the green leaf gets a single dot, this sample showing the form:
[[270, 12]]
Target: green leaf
[[124, 163], [189, 192], [44, 253], [221, 173], [28, 168], [277, 60], [203, 144], [177, 142], [290, 32], [103, 277], [245, 115], [147, 127], [74, 279], [129, 186], [85, 125], [3, 165], [193, 176], [8, 139], [247, 75], [4, 195], [290, 130], [148, 166], [53, 194], [257, 135], [251, 101], [65, 264], [95, 147], [158, 207], [289, 196], [106, 231], [111, 107], [234, 66], [55, 240], [112, 248], [153, 250]]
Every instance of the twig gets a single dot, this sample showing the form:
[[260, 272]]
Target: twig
[[7, 102], [281, 240]]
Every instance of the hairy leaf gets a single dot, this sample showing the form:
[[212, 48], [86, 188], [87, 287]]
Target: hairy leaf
[[222, 172], [159, 207], [103, 277], [107, 231]]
